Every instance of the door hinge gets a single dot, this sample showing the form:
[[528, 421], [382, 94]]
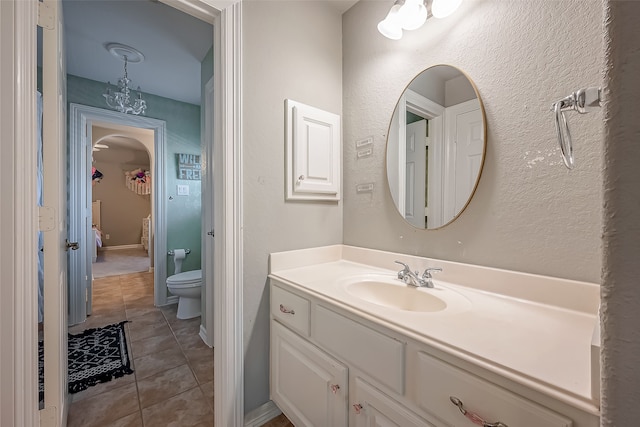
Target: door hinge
[[46, 19], [46, 218]]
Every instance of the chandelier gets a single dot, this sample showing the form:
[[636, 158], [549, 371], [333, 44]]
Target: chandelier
[[124, 99]]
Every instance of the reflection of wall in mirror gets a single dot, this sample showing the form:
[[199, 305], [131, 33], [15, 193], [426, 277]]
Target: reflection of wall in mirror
[[458, 90]]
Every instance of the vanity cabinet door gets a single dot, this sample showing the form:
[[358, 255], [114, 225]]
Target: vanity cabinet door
[[372, 408], [308, 385]]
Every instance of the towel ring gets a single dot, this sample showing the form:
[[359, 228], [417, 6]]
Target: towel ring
[[582, 101]]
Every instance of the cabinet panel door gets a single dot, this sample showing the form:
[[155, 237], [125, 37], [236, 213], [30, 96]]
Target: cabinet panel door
[[372, 408], [308, 385], [313, 153]]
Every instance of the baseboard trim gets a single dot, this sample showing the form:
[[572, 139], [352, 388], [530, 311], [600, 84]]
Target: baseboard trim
[[204, 336], [119, 247], [261, 415]]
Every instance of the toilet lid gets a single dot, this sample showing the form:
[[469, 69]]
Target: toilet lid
[[186, 278]]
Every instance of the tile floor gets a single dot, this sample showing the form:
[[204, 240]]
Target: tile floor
[[173, 380], [280, 421], [120, 261]]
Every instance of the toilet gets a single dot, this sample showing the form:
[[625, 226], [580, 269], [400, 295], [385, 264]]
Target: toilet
[[187, 287]]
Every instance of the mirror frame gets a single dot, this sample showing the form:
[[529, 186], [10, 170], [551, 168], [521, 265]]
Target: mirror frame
[[484, 150]]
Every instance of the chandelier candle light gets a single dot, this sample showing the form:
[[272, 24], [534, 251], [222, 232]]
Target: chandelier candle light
[[121, 100]]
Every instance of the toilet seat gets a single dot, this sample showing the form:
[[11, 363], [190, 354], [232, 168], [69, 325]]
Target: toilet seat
[[188, 279]]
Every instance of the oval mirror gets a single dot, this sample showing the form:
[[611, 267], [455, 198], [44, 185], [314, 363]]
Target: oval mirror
[[436, 147]]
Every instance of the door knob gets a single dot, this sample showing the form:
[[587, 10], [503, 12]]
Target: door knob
[[73, 245], [210, 233]]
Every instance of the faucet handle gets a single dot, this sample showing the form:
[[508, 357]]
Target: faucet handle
[[406, 267], [403, 273], [427, 272]]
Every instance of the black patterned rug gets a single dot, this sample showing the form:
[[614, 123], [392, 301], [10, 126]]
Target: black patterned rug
[[96, 356]]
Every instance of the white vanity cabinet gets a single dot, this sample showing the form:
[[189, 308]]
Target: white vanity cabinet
[[333, 366]]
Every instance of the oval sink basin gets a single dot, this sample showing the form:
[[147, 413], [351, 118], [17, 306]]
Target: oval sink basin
[[399, 296]]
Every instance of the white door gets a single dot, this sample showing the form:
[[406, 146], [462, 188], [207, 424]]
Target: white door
[[207, 214], [463, 147], [469, 149], [53, 219], [416, 170]]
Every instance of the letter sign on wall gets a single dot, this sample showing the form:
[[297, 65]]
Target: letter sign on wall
[[189, 166]]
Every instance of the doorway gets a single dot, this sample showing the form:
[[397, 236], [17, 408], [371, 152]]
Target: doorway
[[123, 237], [227, 137], [82, 119]]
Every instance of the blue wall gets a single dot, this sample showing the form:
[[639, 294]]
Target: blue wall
[[183, 136]]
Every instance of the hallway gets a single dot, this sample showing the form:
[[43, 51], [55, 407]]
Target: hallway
[[173, 380]]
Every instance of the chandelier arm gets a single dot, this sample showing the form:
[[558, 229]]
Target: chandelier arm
[[121, 99]]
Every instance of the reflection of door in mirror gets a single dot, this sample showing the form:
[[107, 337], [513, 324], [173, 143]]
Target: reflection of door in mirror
[[416, 171], [464, 139]]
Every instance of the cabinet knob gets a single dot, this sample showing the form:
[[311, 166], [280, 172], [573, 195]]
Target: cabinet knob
[[300, 179], [474, 418], [335, 388], [286, 310], [358, 408]]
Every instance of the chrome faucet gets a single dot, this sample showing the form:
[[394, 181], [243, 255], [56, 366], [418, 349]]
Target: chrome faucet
[[413, 279]]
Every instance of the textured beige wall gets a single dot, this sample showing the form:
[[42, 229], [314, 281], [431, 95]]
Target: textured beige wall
[[291, 49], [621, 286], [529, 212], [122, 209]]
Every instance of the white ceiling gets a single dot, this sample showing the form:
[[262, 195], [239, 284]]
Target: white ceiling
[[172, 42]]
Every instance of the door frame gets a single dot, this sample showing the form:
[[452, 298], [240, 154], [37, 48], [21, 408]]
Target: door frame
[[81, 117], [18, 396], [207, 245], [19, 219]]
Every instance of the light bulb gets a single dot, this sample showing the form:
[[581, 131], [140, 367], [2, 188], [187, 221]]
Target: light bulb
[[390, 26], [413, 14], [444, 8]]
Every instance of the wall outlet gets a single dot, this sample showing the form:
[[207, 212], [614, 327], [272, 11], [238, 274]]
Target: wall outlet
[[183, 190], [107, 236]]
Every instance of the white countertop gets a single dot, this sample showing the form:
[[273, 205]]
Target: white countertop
[[522, 333]]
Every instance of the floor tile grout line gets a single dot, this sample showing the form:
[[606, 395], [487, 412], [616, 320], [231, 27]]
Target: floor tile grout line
[[132, 361]]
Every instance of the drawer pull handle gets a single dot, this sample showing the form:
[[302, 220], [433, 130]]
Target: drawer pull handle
[[286, 310], [335, 388], [474, 418], [358, 408]]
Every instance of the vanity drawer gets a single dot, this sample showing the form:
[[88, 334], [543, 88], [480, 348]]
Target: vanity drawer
[[290, 309], [437, 381], [373, 353]]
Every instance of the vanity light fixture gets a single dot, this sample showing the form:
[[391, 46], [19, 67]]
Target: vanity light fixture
[[412, 14]]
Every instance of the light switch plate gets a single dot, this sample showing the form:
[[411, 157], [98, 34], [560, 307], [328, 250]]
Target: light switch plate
[[183, 190]]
